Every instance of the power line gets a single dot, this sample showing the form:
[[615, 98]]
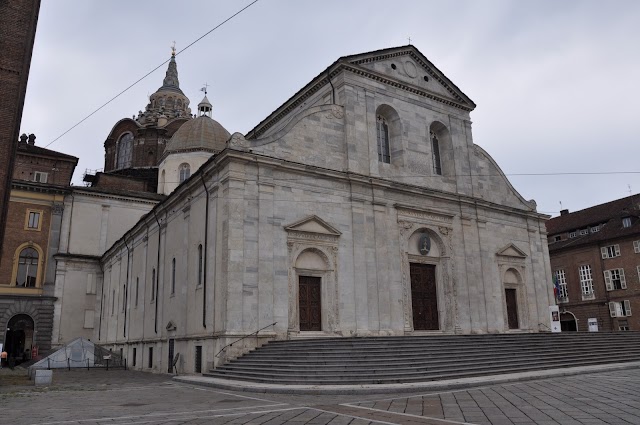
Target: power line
[[152, 71]]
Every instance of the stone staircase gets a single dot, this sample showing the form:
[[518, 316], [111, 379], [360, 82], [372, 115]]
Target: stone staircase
[[390, 360]]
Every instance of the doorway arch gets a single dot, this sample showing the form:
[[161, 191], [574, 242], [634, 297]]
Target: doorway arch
[[19, 337]]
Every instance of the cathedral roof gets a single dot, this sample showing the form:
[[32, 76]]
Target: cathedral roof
[[199, 134]]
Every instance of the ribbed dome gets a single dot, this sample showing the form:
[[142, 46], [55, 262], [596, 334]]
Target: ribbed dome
[[202, 133]]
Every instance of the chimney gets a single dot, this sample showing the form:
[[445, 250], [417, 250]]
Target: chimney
[[564, 212], [32, 139], [22, 143]]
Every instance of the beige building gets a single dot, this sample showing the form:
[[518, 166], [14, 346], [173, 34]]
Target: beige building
[[361, 206]]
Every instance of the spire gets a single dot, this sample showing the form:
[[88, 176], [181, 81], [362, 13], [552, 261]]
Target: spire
[[170, 81]]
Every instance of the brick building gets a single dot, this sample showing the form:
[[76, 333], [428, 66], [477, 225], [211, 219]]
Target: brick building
[[595, 260], [41, 179], [18, 20]]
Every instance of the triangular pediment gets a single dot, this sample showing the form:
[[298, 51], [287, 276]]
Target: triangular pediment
[[313, 224], [406, 64], [511, 251]]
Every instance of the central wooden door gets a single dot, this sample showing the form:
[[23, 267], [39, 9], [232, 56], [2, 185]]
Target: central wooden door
[[424, 297], [512, 308], [309, 303]]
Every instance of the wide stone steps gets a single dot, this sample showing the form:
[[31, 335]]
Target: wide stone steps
[[384, 360]]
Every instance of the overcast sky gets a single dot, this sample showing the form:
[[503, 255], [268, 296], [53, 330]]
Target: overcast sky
[[556, 83]]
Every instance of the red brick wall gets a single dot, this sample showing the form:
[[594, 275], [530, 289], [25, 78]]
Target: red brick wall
[[109, 181], [15, 235], [58, 171], [571, 260], [18, 20]]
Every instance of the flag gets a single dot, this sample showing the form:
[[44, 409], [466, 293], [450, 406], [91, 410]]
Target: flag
[[556, 286]]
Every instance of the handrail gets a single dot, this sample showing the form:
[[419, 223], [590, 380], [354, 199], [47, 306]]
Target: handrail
[[246, 336]]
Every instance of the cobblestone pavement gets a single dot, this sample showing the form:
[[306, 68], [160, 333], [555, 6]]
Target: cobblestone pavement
[[126, 397]]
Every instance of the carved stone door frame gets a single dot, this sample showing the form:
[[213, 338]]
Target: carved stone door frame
[[314, 235], [439, 227]]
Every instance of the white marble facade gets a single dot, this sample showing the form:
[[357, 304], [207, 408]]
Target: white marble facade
[[305, 194]]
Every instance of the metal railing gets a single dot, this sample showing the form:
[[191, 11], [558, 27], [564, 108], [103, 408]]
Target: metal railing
[[244, 337]]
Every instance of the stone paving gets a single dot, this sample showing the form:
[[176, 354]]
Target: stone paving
[[120, 397]]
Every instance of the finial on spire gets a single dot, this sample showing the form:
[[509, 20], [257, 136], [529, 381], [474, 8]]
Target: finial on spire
[[204, 88], [173, 49]]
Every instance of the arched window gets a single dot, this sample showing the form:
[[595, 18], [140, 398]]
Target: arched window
[[382, 130], [435, 150], [200, 264], [125, 151], [185, 172], [27, 268]]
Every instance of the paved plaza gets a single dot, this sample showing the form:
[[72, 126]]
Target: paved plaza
[[126, 397]]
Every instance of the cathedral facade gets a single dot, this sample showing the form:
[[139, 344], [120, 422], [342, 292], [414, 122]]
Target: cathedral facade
[[359, 207]]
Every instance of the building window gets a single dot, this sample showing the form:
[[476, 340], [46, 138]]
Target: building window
[[200, 264], [623, 325], [595, 229], [610, 251], [185, 172], [557, 238], [40, 177], [586, 282], [137, 288], [33, 220], [435, 153], [561, 281], [198, 363], [614, 279], [134, 357], [150, 357], [125, 151], [27, 272], [584, 232], [636, 246], [382, 130], [153, 284], [173, 276], [620, 309], [626, 222]]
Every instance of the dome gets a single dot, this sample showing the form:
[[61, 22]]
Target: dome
[[199, 134]]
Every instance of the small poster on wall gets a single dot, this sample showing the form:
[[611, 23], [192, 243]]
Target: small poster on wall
[[593, 324], [554, 315]]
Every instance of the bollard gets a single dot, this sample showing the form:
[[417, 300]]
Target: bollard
[[68, 364], [87, 364], [107, 364]]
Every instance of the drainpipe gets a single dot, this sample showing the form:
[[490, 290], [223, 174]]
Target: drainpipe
[[101, 302], [204, 254], [333, 89], [126, 289], [155, 322]]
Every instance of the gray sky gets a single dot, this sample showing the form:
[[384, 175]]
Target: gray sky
[[556, 83]]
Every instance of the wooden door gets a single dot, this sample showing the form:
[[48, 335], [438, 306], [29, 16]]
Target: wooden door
[[309, 303], [512, 308], [424, 297]]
